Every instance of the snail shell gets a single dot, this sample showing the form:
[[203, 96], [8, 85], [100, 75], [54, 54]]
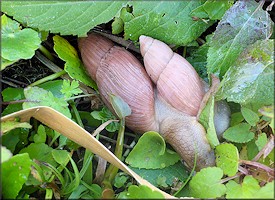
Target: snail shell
[[177, 81], [118, 72]]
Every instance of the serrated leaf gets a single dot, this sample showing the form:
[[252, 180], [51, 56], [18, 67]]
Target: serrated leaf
[[171, 173], [250, 82], [236, 118], [150, 153], [243, 24], [140, 192], [239, 133], [64, 17], [227, 158], [206, 183], [261, 141], [251, 117], [70, 88], [16, 43], [249, 189], [40, 97], [73, 66], [5, 154], [10, 125], [16, 171], [169, 22]]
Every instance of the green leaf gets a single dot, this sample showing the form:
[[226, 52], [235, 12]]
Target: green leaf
[[62, 157], [171, 173], [120, 180], [40, 137], [251, 81], [150, 153], [261, 141], [64, 17], [10, 125], [251, 117], [239, 133], [70, 88], [16, 43], [227, 158], [73, 66], [117, 25], [16, 171], [40, 97], [54, 87], [121, 108], [212, 9], [140, 192], [12, 94], [104, 115], [236, 118], [207, 120], [249, 189], [169, 22], [243, 24], [41, 152], [206, 183], [5, 154]]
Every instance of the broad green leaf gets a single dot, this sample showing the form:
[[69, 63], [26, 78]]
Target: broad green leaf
[[171, 173], [12, 94], [169, 22], [16, 171], [243, 24], [261, 141], [207, 120], [70, 88], [227, 158], [54, 87], [150, 153], [212, 9], [73, 66], [140, 192], [239, 133], [40, 136], [62, 157], [5, 63], [41, 152], [16, 43], [206, 183], [250, 189], [39, 97], [236, 118], [64, 17], [121, 108], [198, 57], [251, 117], [250, 82], [5, 154], [10, 125]]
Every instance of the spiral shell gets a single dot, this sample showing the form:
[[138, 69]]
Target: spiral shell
[[176, 80], [118, 72]]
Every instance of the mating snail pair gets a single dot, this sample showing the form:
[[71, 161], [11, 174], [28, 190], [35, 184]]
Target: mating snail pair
[[165, 96]]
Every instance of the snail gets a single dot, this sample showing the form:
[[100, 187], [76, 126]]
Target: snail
[[165, 96]]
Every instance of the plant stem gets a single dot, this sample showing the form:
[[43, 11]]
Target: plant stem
[[46, 52], [112, 170], [48, 78]]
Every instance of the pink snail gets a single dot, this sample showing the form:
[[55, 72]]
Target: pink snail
[[165, 96]]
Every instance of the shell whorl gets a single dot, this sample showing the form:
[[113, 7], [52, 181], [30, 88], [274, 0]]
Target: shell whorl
[[173, 75], [118, 72]]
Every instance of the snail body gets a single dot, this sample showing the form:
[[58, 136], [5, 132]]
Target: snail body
[[165, 97]]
